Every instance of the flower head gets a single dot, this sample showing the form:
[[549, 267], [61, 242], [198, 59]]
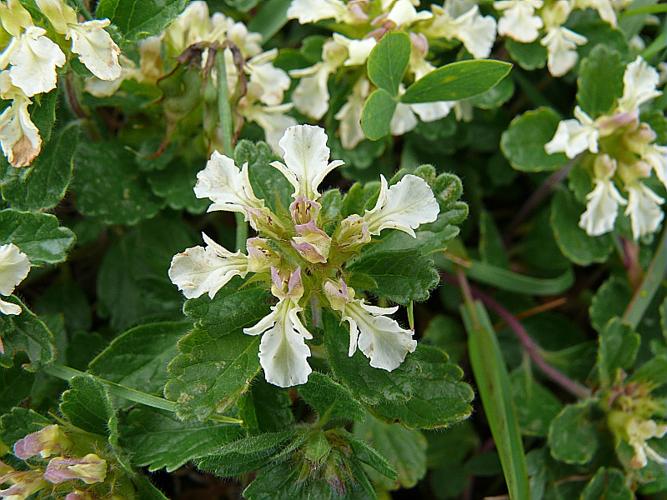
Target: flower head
[[519, 20], [46, 442], [14, 267], [574, 136], [90, 469], [561, 44]]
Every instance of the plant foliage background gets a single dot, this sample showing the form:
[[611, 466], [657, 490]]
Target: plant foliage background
[[333, 249]]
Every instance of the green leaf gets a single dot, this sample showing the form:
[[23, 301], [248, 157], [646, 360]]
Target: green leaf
[[535, 405], [611, 298], [132, 283], [572, 436], [176, 185], [404, 449], [572, 240], [270, 18], [653, 372], [330, 399], [265, 408], [377, 114], [109, 184], [138, 358], [43, 185], [370, 457], [15, 385], [20, 422], [388, 61], [87, 405], [27, 333], [157, 439], [38, 235], [530, 56], [607, 484], [495, 96], [456, 81], [523, 142], [137, 19], [618, 347], [493, 383], [246, 454], [600, 81], [217, 361], [424, 392], [491, 247]]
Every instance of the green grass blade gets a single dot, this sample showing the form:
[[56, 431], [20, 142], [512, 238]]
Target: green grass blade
[[494, 388]]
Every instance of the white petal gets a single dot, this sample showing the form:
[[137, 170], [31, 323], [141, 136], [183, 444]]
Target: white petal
[[403, 13], [639, 85], [561, 45], [403, 120], [272, 81], [14, 267], [283, 352], [9, 309], [59, 14], [19, 136], [656, 156], [357, 50], [96, 50], [311, 95], [34, 62], [306, 158], [228, 187], [572, 137], [349, 115], [601, 209], [476, 32], [432, 111], [643, 209], [519, 20], [200, 270], [311, 11], [408, 204], [273, 121]]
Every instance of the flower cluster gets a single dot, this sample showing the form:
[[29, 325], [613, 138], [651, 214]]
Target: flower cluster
[[255, 84], [529, 20], [30, 62], [622, 151], [304, 263], [457, 20], [70, 474]]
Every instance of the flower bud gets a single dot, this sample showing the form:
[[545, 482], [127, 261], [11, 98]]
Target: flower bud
[[304, 210], [261, 256], [312, 243], [604, 166], [287, 286], [46, 442], [23, 484], [79, 495], [338, 294], [637, 139], [352, 233], [607, 125], [89, 469]]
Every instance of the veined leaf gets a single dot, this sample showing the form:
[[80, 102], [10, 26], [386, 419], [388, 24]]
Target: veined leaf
[[388, 61]]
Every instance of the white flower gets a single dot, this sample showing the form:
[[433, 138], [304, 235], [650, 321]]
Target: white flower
[[574, 136], [283, 352], [349, 115], [94, 46], [306, 157], [230, 191], [656, 157], [191, 26], [14, 267], [311, 96], [107, 88], [639, 432], [271, 82], [432, 111], [403, 119], [19, 137], [311, 11], [519, 20], [643, 209], [33, 58], [357, 50], [404, 206], [248, 42], [639, 85], [378, 337], [561, 44], [462, 20], [403, 13], [603, 201], [199, 270], [14, 17]]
